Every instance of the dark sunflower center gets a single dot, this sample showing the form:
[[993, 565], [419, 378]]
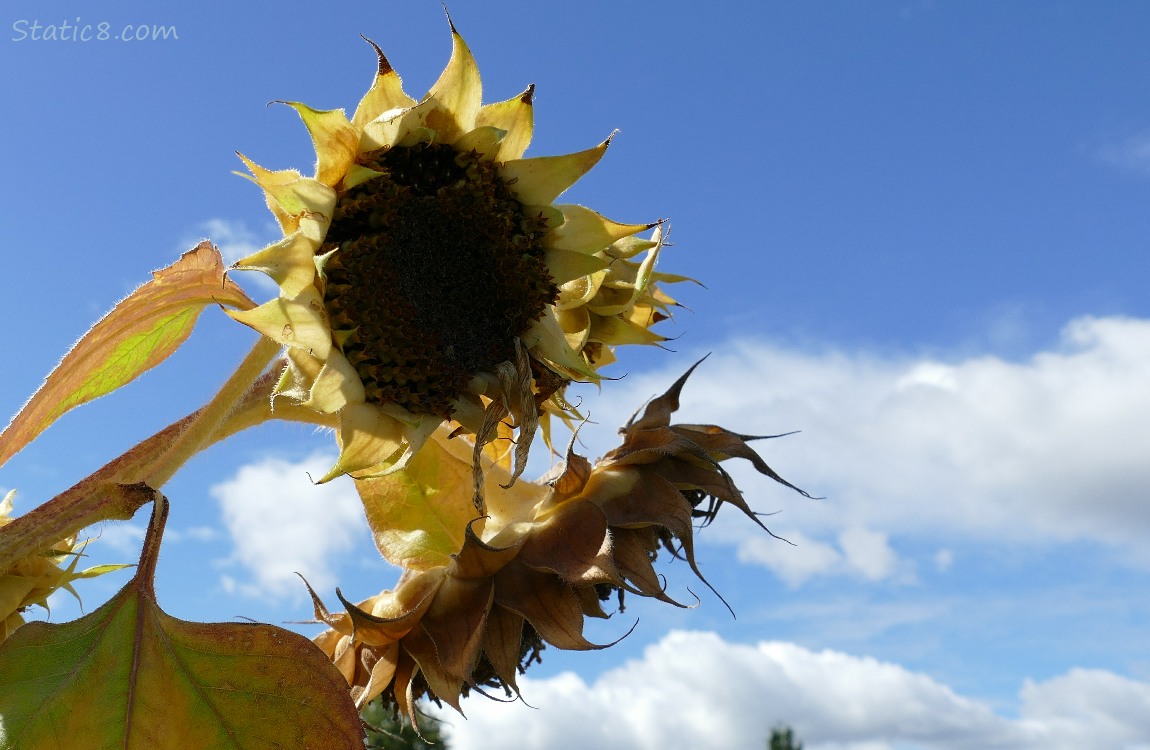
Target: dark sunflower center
[[438, 271]]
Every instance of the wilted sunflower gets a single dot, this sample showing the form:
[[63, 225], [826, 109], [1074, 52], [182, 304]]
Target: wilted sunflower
[[479, 597], [32, 580], [426, 275]]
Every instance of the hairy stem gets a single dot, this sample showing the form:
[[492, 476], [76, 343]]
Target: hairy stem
[[207, 421], [118, 489]]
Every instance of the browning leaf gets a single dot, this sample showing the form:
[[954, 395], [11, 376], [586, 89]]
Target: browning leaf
[[131, 677], [139, 333]]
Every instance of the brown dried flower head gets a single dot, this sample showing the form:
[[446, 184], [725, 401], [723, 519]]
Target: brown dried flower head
[[545, 556]]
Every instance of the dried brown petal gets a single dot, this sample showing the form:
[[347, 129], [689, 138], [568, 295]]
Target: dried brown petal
[[546, 602]]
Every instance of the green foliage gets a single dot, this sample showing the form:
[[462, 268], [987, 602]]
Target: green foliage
[[386, 730], [130, 676], [783, 738]]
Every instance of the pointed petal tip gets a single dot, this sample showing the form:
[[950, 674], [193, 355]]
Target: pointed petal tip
[[384, 66], [449, 21], [528, 96], [247, 163]]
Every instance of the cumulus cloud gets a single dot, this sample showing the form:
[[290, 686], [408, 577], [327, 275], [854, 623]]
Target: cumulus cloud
[[858, 551], [1091, 708], [280, 524], [694, 689], [1047, 449]]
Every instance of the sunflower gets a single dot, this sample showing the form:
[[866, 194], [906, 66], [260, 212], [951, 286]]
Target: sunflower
[[474, 607], [426, 274], [32, 580]]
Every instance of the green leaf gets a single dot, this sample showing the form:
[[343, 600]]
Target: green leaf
[[139, 333], [131, 677]]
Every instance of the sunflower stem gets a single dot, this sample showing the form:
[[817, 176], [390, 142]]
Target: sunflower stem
[[119, 488], [198, 434]]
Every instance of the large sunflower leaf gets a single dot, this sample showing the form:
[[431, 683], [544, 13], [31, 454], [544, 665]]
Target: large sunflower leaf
[[139, 333], [130, 677]]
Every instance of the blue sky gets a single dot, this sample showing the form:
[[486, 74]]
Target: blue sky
[[923, 231]]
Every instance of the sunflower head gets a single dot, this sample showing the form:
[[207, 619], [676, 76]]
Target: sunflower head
[[29, 582], [427, 274], [475, 606]]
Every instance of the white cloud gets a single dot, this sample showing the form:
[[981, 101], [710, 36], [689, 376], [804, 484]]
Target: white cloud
[[695, 690], [1091, 708], [125, 538], [794, 564], [195, 533], [128, 538], [1048, 449], [234, 239], [861, 552], [1132, 153], [868, 552], [282, 524]]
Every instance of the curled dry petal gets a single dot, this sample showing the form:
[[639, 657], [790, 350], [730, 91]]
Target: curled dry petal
[[545, 556]]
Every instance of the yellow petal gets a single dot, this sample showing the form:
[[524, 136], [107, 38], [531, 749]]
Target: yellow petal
[[629, 247], [612, 300], [266, 177], [368, 438], [540, 180], [483, 141], [580, 291], [297, 377], [290, 262], [547, 341], [612, 330], [576, 325], [585, 231], [565, 265], [357, 175], [516, 117], [382, 673], [298, 202], [457, 94], [395, 126], [643, 315], [386, 93], [336, 141], [336, 385], [625, 285], [297, 322]]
